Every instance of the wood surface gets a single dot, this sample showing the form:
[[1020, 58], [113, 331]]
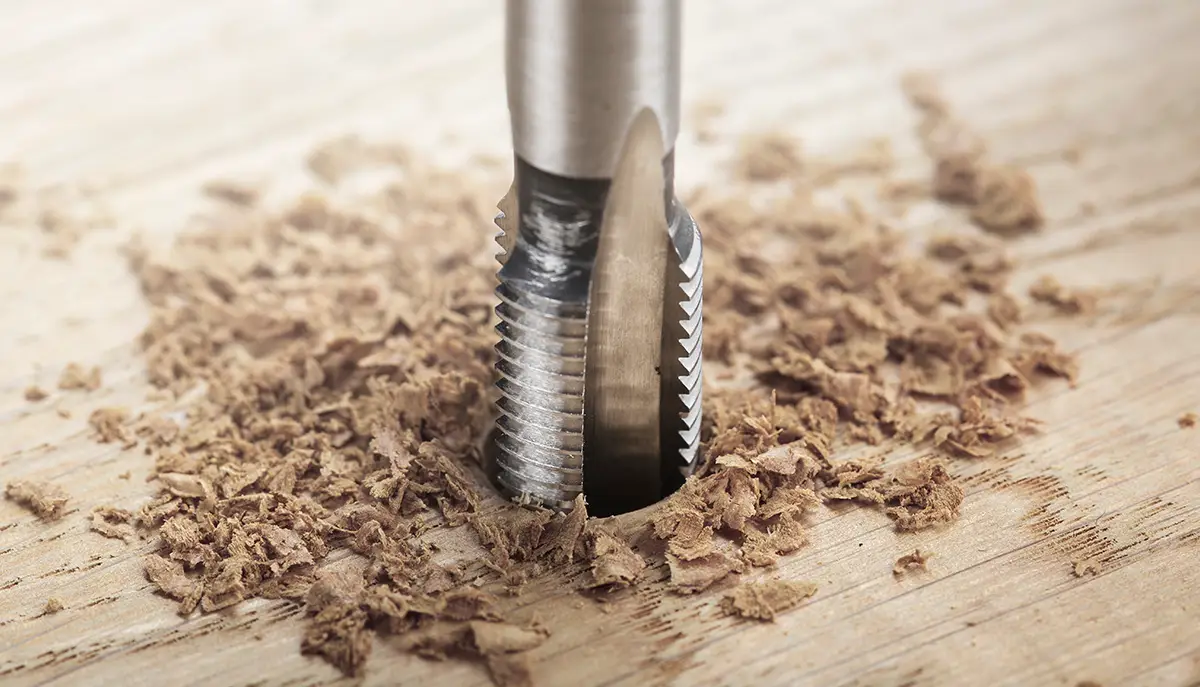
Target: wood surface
[[1100, 99]]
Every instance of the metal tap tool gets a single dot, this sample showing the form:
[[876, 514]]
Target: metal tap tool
[[600, 286]]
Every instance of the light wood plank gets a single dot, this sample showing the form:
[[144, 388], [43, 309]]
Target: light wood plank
[[146, 100]]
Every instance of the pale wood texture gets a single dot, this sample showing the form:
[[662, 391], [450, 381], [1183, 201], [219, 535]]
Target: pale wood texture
[[1099, 98]]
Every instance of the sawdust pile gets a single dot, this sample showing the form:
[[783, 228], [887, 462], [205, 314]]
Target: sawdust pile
[[344, 351]]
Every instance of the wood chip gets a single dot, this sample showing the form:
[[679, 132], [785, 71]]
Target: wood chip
[[614, 563], [1001, 199], [768, 157], [339, 634], [234, 192], [765, 600], [1066, 301], [908, 562], [689, 576], [1083, 568], [114, 523], [75, 377], [46, 500], [109, 426]]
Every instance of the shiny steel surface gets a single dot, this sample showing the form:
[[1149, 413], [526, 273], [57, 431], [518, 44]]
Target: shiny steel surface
[[578, 71]]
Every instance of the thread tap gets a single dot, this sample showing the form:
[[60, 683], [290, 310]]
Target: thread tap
[[598, 359]]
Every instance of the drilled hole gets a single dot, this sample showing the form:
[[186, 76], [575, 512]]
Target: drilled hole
[[602, 505]]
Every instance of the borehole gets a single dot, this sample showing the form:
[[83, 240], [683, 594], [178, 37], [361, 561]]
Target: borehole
[[599, 504]]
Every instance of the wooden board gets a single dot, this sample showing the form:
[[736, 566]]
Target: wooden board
[[1100, 99]]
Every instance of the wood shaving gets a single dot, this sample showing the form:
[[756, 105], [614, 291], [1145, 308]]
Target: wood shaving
[[33, 394], [692, 575], [1005, 201], [1066, 301], [339, 634], [53, 605], [114, 523], [614, 563], [109, 426], [170, 579], [911, 561], [768, 157], [1039, 353], [765, 600], [1001, 199], [235, 192], [503, 647], [46, 500], [1083, 568], [76, 377], [917, 495]]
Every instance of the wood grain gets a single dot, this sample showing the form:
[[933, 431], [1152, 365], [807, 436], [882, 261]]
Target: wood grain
[[1100, 99]]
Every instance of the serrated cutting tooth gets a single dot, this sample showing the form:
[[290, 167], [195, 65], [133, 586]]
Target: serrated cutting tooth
[[685, 339], [506, 222]]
